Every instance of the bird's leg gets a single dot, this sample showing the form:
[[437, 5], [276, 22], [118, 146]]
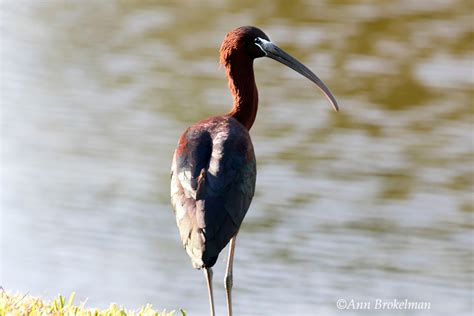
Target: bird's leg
[[228, 275], [208, 274]]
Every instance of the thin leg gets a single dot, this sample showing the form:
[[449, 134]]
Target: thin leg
[[228, 275], [208, 274]]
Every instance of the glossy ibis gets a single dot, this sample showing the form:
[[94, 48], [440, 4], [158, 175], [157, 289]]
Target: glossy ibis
[[214, 170]]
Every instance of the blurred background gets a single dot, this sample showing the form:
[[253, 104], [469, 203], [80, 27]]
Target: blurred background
[[373, 202]]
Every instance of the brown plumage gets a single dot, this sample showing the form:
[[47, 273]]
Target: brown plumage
[[237, 54], [214, 170]]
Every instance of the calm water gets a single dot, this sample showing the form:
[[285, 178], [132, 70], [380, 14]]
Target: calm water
[[375, 202]]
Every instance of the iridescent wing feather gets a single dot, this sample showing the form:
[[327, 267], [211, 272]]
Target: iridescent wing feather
[[212, 184]]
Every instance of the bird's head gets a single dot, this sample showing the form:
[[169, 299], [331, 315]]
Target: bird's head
[[241, 42], [250, 42]]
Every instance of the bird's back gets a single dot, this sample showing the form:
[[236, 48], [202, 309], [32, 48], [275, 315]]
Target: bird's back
[[212, 184]]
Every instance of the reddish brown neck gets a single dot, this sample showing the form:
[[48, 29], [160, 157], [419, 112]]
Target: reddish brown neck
[[244, 90]]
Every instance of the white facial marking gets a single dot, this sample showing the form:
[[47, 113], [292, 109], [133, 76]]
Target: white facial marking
[[262, 44]]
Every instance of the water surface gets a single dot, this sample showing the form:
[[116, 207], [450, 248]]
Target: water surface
[[372, 202]]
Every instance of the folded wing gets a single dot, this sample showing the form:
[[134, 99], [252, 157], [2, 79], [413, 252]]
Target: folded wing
[[212, 184]]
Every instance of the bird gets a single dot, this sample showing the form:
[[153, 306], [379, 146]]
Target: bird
[[213, 170]]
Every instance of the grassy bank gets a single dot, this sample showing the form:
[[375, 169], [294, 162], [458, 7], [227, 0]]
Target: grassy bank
[[21, 304]]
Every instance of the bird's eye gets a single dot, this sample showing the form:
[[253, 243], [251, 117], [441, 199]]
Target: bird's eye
[[258, 40]]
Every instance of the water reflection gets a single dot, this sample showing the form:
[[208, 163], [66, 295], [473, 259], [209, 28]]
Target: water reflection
[[375, 201]]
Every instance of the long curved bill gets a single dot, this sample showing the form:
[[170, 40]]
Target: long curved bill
[[274, 52]]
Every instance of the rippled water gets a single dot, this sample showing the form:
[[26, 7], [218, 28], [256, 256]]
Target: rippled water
[[373, 202]]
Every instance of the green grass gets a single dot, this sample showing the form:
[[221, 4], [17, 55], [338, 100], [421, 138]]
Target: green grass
[[23, 304]]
